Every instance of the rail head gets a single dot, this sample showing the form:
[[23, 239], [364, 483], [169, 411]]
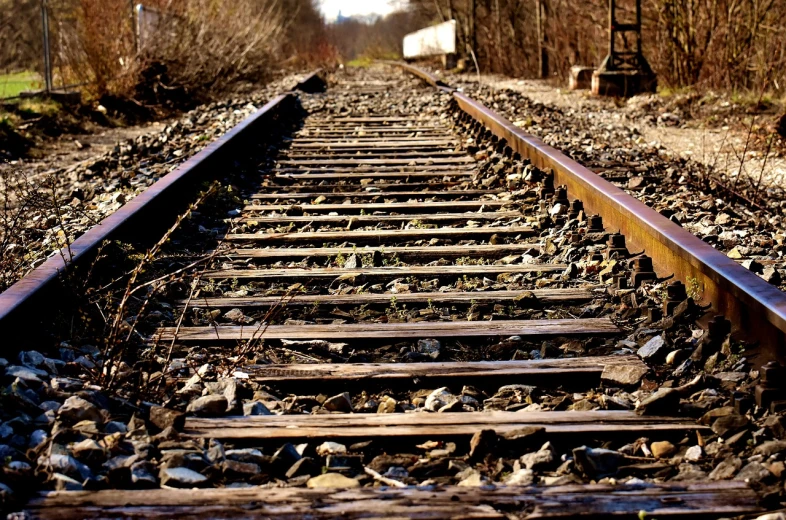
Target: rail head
[[151, 204], [312, 83], [757, 308], [422, 74]]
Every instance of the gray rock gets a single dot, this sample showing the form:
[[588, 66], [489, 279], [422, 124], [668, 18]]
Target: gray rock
[[226, 387], [338, 403], [396, 472], [115, 427], [246, 455], [482, 443], [143, 475], [88, 451], [439, 398], [164, 418], [54, 366], [304, 466], [237, 316], [67, 465], [75, 409], [85, 362], [540, 459], [734, 377], [26, 374], [209, 405], [771, 275], [663, 401], [287, 454], [654, 350], [689, 472], [599, 463], [694, 453], [331, 448], [352, 262], [471, 478], [66, 384], [515, 390], [729, 424], [182, 477], [753, 472], [770, 448], [429, 347], [234, 469], [50, 405], [37, 437], [521, 477], [623, 375], [256, 408], [725, 469], [31, 358]]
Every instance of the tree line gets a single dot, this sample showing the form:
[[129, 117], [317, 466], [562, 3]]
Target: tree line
[[725, 44]]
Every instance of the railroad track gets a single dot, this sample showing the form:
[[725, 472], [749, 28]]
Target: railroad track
[[411, 316]]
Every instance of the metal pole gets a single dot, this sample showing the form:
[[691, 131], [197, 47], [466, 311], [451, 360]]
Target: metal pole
[[638, 27], [612, 21], [134, 25], [47, 56], [543, 55]]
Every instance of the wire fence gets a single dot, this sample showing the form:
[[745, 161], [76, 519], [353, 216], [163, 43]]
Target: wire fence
[[45, 44]]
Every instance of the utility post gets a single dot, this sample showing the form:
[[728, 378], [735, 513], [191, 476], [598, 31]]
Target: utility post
[[134, 30], [624, 72], [47, 55], [541, 12]]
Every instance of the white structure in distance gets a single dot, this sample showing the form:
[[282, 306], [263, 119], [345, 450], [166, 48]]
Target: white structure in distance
[[432, 41]]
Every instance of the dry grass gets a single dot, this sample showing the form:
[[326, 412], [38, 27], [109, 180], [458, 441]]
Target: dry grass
[[208, 45]]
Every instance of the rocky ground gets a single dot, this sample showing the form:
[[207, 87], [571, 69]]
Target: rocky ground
[[728, 135], [616, 143], [62, 429], [71, 184]]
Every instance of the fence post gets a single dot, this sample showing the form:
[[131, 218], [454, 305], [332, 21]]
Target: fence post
[[47, 55], [135, 23], [543, 54]]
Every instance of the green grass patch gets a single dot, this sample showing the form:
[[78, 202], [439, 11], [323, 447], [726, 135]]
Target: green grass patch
[[11, 85], [34, 107], [665, 91], [361, 62], [367, 59]]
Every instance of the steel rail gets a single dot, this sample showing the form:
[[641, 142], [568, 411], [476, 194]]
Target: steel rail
[[156, 207], [756, 308], [422, 74]]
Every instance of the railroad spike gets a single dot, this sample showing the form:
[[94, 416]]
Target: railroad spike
[[642, 271], [615, 247]]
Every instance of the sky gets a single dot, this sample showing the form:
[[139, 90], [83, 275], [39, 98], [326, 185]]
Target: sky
[[330, 8]]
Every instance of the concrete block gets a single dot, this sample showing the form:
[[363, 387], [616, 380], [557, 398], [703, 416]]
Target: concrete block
[[622, 83], [580, 77]]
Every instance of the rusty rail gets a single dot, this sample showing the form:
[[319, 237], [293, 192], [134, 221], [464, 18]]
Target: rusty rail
[[312, 83], [156, 207], [756, 308], [422, 74]]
